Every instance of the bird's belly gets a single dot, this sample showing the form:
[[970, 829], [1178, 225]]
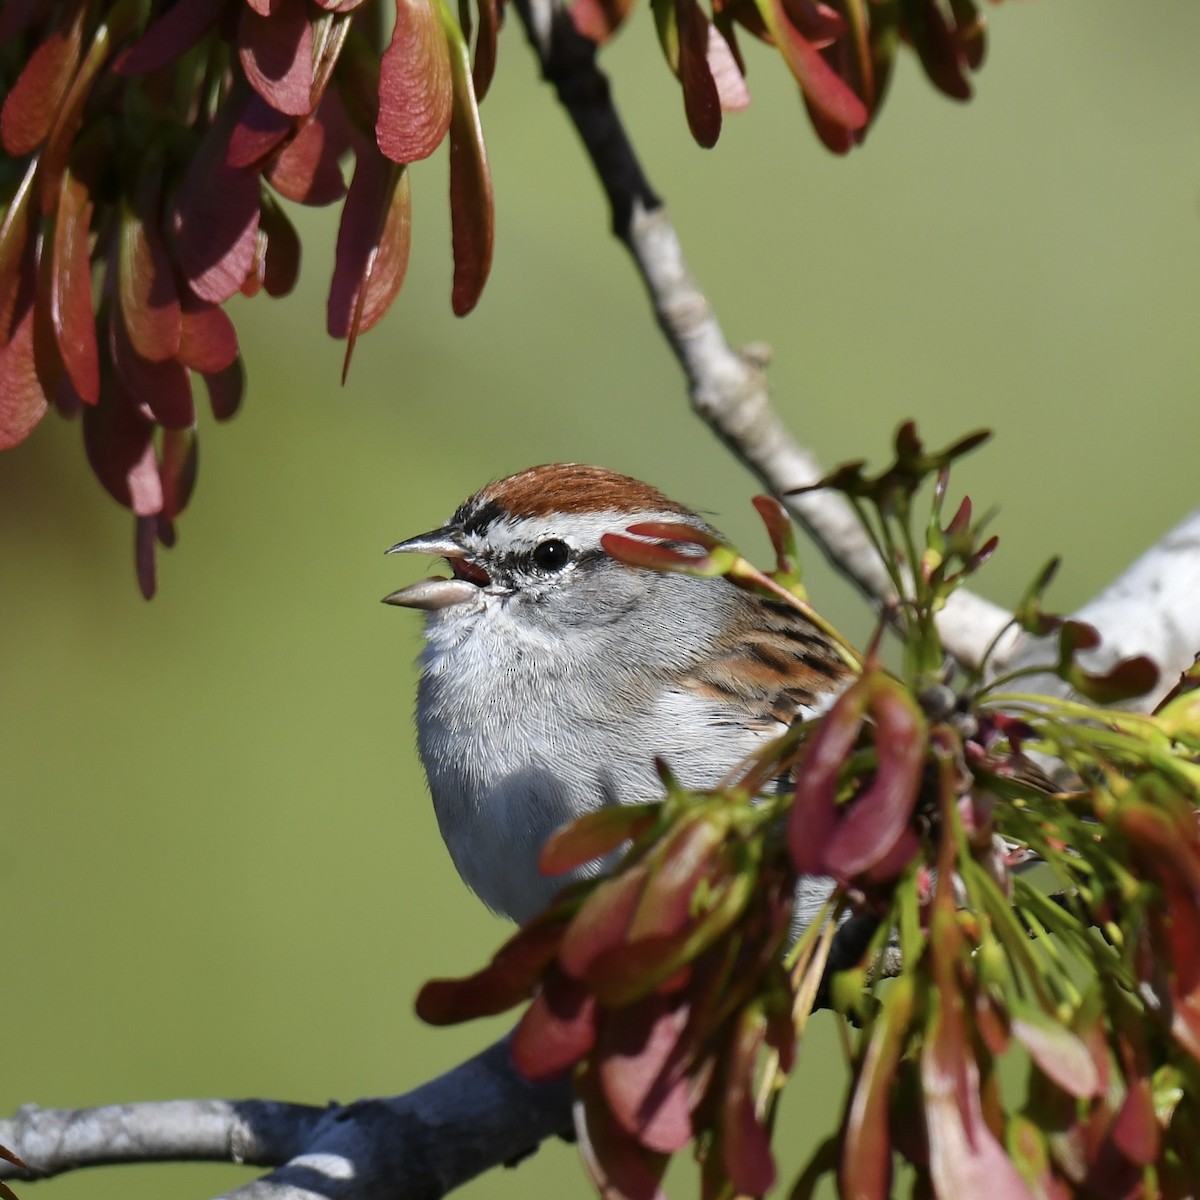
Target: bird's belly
[[503, 781]]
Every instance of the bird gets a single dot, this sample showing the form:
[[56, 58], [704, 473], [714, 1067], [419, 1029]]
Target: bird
[[553, 675]]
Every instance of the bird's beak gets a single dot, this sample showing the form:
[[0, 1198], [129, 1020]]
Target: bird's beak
[[433, 594]]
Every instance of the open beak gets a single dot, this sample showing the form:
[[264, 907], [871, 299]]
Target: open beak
[[433, 594]]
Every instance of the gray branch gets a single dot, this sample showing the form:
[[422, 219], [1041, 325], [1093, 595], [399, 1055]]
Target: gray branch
[[418, 1146]]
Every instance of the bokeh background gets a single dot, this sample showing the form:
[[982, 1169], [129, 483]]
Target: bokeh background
[[221, 874]]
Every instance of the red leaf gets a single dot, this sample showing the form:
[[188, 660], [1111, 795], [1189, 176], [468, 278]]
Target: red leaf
[[277, 55], [1135, 1130], [34, 98], [965, 1159], [639, 1064], [177, 470], [60, 142], [747, 1149], [208, 341], [594, 835], [415, 95], [1058, 1053], [216, 216], [307, 169], [619, 1167], [602, 922], [22, 402], [866, 1166], [163, 388], [119, 442], [813, 817], [557, 1030], [937, 48], [879, 817], [831, 95], [71, 289], [471, 213], [258, 131], [225, 388], [676, 869], [282, 266], [701, 101], [179, 28], [817, 22], [372, 247], [145, 532], [484, 66], [149, 301], [509, 978], [727, 72], [17, 258]]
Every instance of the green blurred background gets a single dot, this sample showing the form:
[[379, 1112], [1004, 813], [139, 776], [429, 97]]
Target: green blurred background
[[221, 871]]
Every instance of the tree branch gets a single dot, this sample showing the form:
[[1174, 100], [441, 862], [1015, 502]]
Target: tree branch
[[728, 390], [413, 1147]]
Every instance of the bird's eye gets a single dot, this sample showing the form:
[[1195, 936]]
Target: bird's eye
[[551, 555]]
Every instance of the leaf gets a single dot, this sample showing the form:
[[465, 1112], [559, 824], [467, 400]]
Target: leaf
[[32, 101], [119, 442], [639, 1065], [116, 22], [507, 980], [281, 267], [174, 33], [744, 1142], [307, 169], [23, 403], [965, 1159], [877, 819], [225, 388], [484, 66], [162, 387], [1125, 680], [686, 856], [603, 920], [415, 89], [619, 1167], [557, 1030], [471, 210], [372, 248], [71, 289], [17, 253], [216, 214], [727, 72], [594, 835], [259, 130], [701, 101], [937, 48], [1058, 1053], [829, 94], [207, 338], [276, 53], [145, 534], [866, 1161], [178, 470], [146, 284], [813, 816]]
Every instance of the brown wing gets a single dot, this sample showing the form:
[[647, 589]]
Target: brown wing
[[774, 662]]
